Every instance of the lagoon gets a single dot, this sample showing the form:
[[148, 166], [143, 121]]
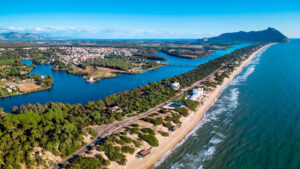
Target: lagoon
[[74, 89]]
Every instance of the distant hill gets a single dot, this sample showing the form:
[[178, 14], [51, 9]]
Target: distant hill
[[14, 36], [268, 35]]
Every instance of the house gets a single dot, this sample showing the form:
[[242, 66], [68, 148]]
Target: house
[[143, 153], [196, 94], [116, 109], [175, 85], [9, 90], [11, 85]]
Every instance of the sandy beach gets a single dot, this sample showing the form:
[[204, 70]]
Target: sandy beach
[[188, 123]]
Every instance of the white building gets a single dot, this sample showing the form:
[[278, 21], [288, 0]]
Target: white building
[[9, 90], [196, 94], [175, 85]]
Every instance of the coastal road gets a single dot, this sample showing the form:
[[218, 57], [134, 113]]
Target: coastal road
[[106, 130]]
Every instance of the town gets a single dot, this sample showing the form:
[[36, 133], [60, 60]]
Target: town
[[77, 55]]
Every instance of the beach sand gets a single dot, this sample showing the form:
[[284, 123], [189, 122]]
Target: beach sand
[[188, 124]]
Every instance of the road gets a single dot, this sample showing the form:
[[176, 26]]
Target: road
[[113, 128]]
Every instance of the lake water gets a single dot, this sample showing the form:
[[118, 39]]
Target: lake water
[[74, 89], [255, 123]]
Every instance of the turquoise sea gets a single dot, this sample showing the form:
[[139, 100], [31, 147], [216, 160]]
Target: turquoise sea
[[255, 123]]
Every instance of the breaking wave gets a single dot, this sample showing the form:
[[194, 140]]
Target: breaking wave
[[250, 67], [224, 104]]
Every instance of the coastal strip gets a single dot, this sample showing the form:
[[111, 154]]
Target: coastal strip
[[167, 144]]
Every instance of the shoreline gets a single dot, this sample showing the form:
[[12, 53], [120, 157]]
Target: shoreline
[[166, 145]]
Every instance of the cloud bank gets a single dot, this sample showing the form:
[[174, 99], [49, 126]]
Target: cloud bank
[[97, 33]]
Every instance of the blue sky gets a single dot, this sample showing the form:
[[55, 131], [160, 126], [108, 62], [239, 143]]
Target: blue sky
[[148, 19]]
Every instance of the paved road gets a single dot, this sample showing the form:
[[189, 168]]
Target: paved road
[[113, 128]]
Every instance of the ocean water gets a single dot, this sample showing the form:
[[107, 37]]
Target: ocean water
[[255, 123], [74, 89]]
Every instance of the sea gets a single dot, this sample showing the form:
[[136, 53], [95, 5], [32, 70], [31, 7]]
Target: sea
[[254, 124]]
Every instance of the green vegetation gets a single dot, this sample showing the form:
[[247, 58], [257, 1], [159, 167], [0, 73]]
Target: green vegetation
[[183, 111], [137, 143], [191, 104], [190, 53], [113, 153], [220, 78], [165, 134], [150, 139], [148, 130], [6, 61], [156, 122], [127, 149], [97, 162], [175, 118]]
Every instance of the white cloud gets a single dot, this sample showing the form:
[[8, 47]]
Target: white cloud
[[98, 33]]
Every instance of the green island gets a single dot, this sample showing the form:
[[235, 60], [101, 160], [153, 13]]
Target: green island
[[15, 78], [45, 135]]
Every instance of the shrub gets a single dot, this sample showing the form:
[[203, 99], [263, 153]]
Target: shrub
[[133, 130], [148, 130], [156, 122], [126, 139], [136, 143], [135, 125], [183, 111], [165, 134], [84, 162], [149, 138], [163, 110], [192, 105], [127, 149], [168, 125]]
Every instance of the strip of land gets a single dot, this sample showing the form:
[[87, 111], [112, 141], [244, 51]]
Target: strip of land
[[165, 143]]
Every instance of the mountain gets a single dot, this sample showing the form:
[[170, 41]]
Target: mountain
[[268, 35], [14, 36]]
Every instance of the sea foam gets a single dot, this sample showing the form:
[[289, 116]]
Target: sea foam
[[224, 104]]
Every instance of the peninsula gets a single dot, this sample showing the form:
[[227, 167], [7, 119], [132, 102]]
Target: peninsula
[[15, 78]]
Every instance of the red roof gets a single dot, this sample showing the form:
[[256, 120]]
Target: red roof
[[144, 152]]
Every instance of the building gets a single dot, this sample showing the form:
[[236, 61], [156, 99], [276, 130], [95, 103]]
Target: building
[[175, 85], [143, 153], [9, 90], [115, 108], [11, 85], [196, 94]]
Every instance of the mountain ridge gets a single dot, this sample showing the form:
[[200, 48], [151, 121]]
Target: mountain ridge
[[15, 36], [267, 35]]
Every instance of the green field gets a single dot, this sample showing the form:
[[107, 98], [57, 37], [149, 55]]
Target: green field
[[6, 61]]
